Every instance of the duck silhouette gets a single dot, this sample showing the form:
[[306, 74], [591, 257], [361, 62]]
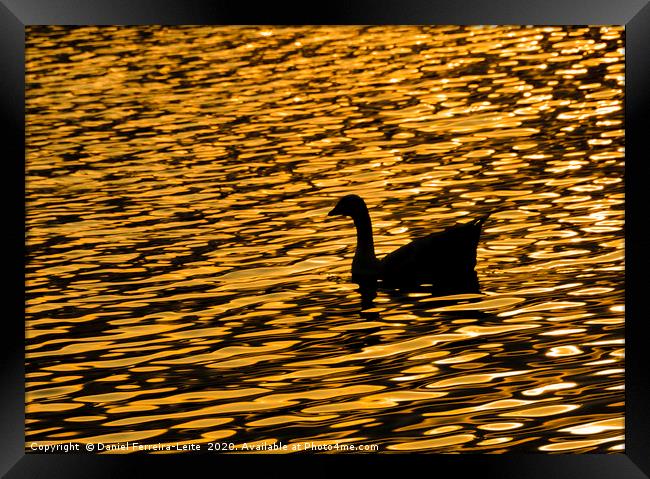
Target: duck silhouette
[[443, 261]]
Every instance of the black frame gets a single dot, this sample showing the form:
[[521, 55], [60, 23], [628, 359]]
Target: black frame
[[634, 14]]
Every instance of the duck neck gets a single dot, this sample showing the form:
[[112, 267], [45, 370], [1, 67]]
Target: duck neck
[[365, 245]]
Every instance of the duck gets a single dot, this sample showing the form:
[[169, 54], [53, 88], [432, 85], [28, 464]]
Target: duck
[[443, 260]]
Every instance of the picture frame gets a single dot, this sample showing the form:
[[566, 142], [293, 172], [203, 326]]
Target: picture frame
[[634, 14]]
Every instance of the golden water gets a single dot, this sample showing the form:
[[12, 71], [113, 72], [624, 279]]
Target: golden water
[[184, 283]]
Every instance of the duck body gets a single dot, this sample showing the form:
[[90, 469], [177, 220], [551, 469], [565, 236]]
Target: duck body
[[444, 260]]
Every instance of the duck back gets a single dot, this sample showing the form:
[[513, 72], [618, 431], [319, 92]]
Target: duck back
[[444, 258]]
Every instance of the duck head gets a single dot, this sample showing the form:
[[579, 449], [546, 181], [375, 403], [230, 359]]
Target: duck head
[[350, 205], [365, 266]]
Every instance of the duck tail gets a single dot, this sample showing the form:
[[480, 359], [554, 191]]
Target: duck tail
[[479, 221]]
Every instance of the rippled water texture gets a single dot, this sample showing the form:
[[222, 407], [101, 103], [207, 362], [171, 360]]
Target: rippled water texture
[[184, 282]]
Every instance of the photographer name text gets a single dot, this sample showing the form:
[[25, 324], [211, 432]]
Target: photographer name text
[[71, 447]]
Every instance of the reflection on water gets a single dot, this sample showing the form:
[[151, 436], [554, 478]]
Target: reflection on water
[[185, 284]]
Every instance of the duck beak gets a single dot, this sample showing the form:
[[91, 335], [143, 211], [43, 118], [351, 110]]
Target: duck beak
[[334, 212]]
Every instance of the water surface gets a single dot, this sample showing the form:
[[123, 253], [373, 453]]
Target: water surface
[[184, 283]]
